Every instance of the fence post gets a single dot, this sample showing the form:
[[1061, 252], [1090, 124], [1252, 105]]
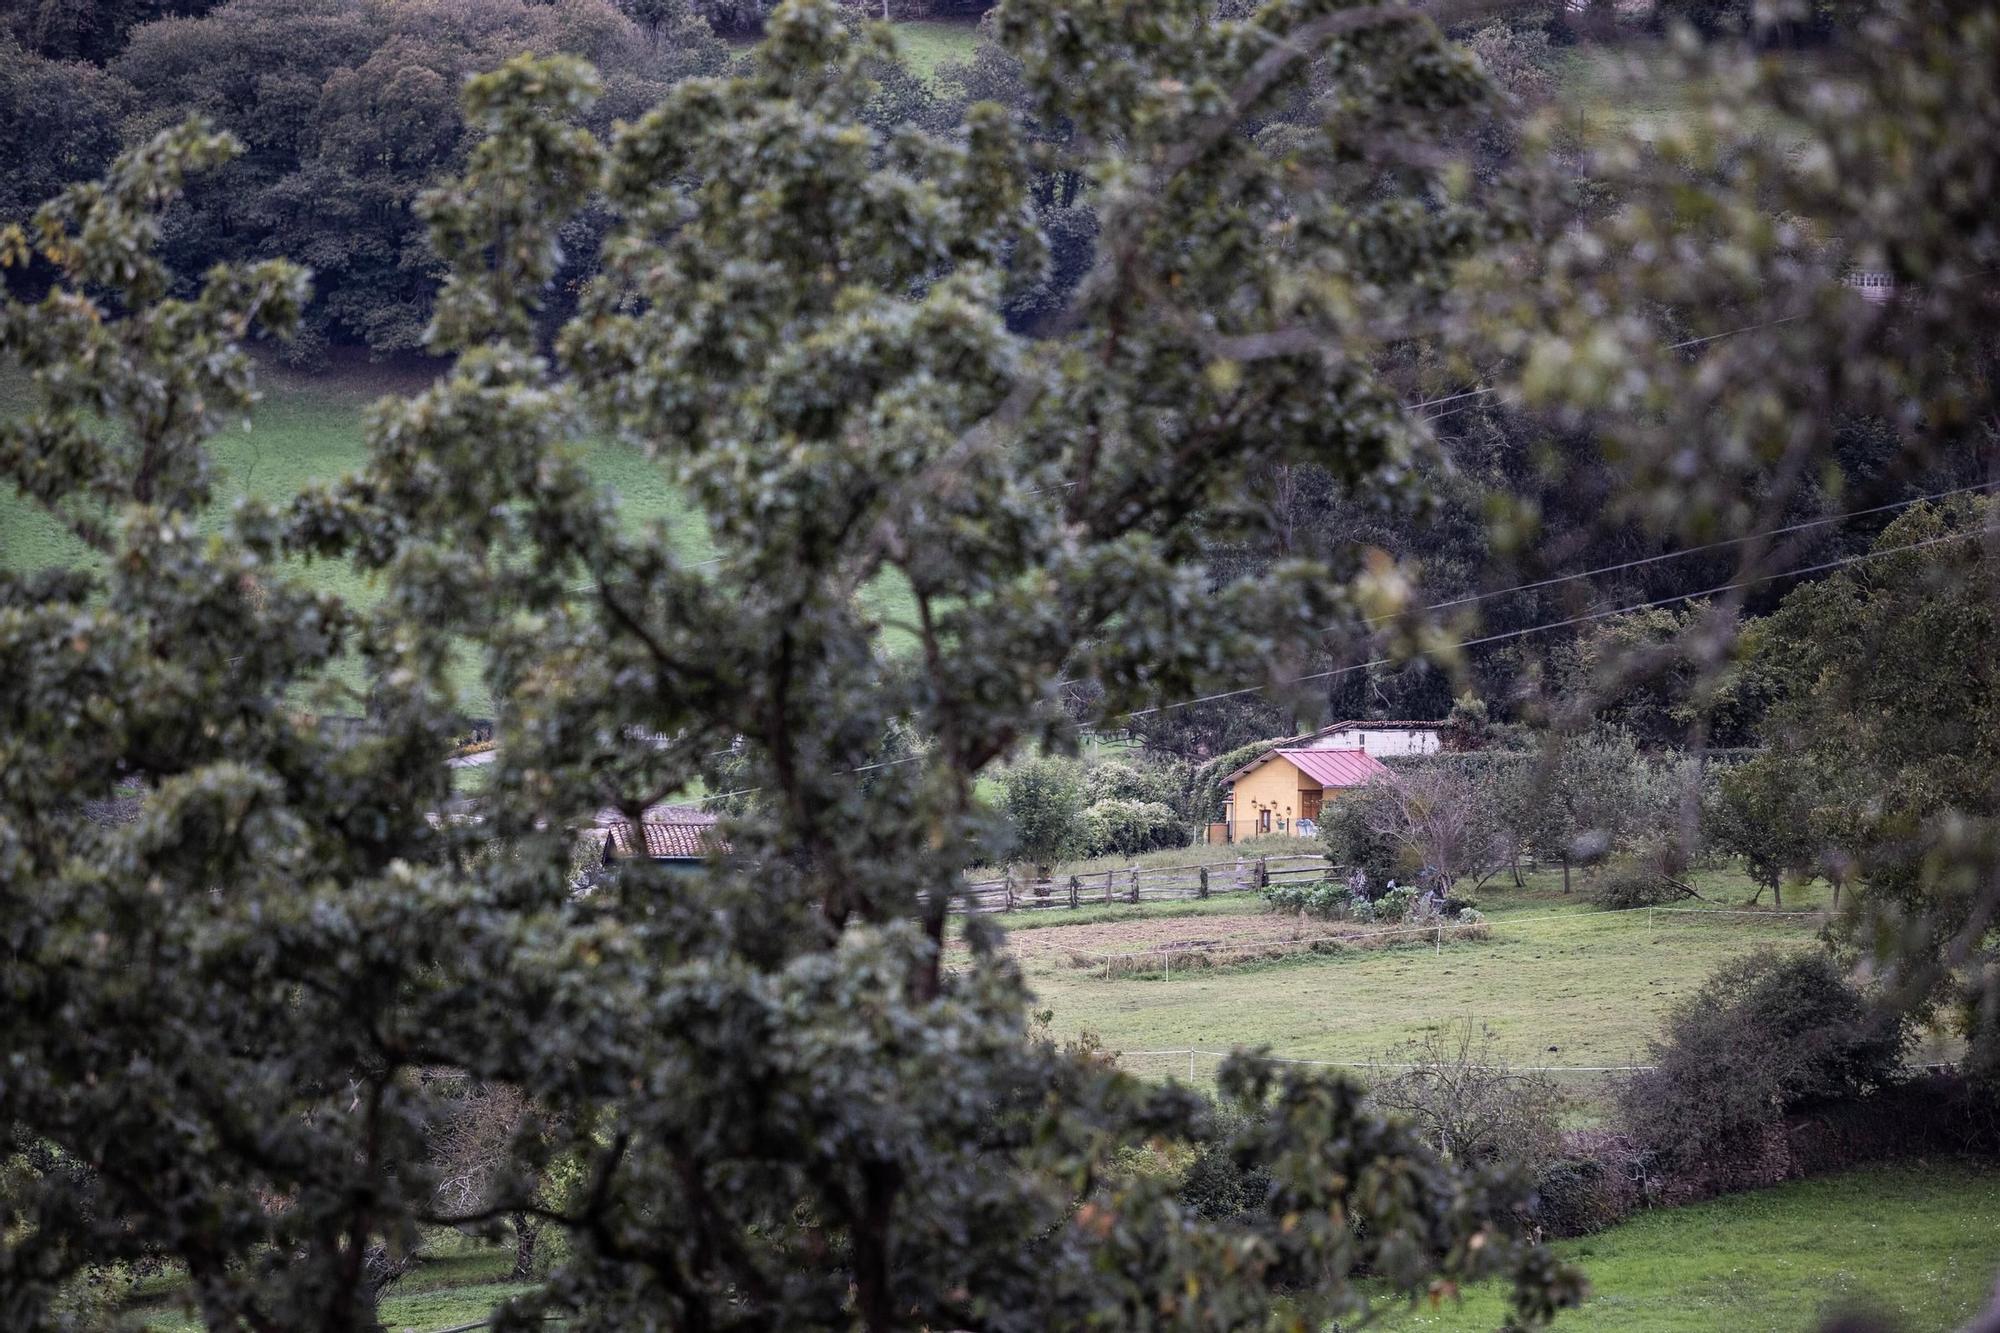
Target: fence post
[[1190, 1067], [1440, 941], [1170, 965], [1008, 884], [1134, 892], [1202, 892], [1107, 886], [1075, 891], [1263, 874]]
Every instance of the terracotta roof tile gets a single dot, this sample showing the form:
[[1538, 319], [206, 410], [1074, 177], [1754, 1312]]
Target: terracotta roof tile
[[665, 841]]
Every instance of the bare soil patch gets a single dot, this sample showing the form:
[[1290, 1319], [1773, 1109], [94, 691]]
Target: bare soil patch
[[1140, 945]]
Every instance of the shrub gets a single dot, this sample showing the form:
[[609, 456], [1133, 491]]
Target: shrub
[[1044, 807], [1632, 884], [1597, 1182], [1768, 1034], [1356, 840], [1321, 897], [1469, 1103], [1217, 1185], [1130, 827], [1396, 904], [1160, 783]]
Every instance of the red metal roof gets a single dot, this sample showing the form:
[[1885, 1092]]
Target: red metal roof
[[1336, 768]]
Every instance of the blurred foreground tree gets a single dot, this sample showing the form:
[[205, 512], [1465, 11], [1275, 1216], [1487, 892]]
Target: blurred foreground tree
[[232, 1020]]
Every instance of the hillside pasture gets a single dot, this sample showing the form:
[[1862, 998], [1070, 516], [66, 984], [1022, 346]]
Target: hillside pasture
[[1559, 982], [311, 429], [1913, 1244]]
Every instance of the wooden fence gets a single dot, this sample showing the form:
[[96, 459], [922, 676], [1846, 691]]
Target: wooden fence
[[1138, 884]]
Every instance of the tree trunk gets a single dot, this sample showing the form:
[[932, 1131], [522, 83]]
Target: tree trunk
[[1778, 891], [527, 1234], [1565, 874]]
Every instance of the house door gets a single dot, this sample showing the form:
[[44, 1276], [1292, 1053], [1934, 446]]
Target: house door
[[1309, 803]]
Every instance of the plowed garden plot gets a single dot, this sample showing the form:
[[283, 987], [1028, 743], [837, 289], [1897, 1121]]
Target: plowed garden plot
[[1133, 945]]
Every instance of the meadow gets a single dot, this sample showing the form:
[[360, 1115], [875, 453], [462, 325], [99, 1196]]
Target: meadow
[[311, 429], [1914, 1244], [1558, 982]]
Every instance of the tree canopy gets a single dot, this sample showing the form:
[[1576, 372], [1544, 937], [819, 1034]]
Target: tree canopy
[[775, 1102]]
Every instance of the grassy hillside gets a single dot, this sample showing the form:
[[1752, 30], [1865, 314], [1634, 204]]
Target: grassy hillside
[[1915, 1243], [309, 428]]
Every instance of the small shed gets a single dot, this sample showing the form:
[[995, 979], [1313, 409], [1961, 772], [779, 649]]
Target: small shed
[[676, 836]]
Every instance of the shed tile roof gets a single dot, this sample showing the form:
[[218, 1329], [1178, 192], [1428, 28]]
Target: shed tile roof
[[1336, 768], [664, 841]]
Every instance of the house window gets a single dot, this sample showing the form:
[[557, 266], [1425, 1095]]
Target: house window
[[1264, 821]]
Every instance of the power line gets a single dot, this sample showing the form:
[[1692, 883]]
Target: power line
[[1469, 643], [1557, 624], [1707, 546]]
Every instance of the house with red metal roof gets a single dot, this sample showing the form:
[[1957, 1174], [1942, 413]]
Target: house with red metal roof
[[1283, 790]]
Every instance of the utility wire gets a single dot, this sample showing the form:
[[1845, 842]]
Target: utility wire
[[1469, 643], [1559, 624], [1706, 546]]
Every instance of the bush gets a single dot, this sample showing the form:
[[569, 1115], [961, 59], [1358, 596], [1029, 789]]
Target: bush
[[1153, 783], [1321, 897], [1216, 1185], [1632, 884], [1355, 840], [1470, 1104], [1768, 1034], [1129, 827], [1044, 808], [1396, 904]]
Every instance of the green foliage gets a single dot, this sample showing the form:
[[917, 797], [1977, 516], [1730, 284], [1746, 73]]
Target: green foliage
[[1126, 827], [1886, 737], [1324, 898], [780, 1107], [1356, 841], [62, 123], [1161, 781], [1762, 811], [363, 119], [1045, 809], [1651, 675], [1632, 883], [1582, 798], [1768, 1034]]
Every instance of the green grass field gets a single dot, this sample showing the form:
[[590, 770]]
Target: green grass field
[[1916, 1244], [928, 43], [1559, 983], [310, 428]]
